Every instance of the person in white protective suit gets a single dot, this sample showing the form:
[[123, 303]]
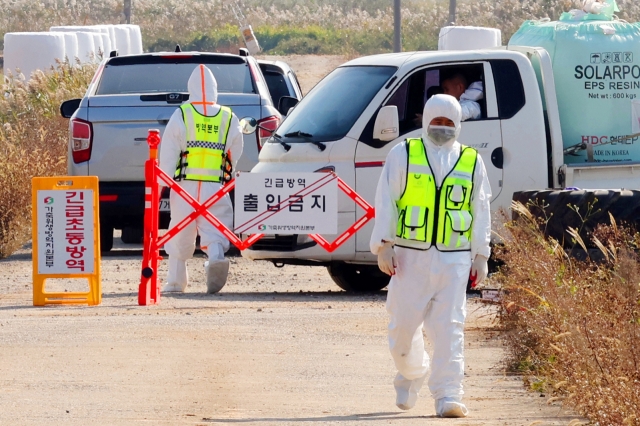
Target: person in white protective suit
[[467, 94], [431, 234], [200, 139]]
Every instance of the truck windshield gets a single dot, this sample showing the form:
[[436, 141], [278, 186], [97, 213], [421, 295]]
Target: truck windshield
[[164, 75], [329, 111]]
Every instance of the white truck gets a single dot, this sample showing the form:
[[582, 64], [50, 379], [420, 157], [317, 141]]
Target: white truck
[[354, 116]]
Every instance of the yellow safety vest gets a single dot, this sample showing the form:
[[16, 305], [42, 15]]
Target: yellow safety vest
[[431, 216], [203, 159]]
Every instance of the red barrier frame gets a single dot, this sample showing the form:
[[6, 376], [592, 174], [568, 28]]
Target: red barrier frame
[[149, 292]]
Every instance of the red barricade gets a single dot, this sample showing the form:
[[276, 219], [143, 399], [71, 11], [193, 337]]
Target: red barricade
[[149, 291]]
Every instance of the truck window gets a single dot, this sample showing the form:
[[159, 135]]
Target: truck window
[[509, 88], [332, 107], [410, 98], [277, 85], [170, 75]]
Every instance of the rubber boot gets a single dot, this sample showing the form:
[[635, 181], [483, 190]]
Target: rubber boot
[[217, 272], [407, 391], [451, 407], [177, 278]]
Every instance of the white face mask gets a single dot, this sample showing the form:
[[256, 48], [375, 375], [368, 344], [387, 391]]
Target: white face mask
[[441, 135]]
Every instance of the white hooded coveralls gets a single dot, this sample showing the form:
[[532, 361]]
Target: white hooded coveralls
[[203, 94], [429, 287], [469, 101]]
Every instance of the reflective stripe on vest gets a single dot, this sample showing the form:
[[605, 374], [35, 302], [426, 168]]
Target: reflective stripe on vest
[[436, 216], [206, 140]]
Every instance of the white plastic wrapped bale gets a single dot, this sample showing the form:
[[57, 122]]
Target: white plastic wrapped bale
[[70, 46], [106, 45], [98, 46], [135, 36], [29, 52], [112, 36], [123, 40], [86, 46], [469, 38], [76, 28]]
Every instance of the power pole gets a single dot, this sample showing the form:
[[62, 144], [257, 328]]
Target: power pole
[[127, 11], [397, 22], [452, 12]]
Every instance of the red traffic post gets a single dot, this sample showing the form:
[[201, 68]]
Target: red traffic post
[[149, 292]]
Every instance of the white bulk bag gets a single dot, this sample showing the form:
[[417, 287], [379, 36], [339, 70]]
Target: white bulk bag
[[98, 46], [469, 38], [31, 51], [112, 36], [123, 40], [70, 46], [135, 36], [86, 46]]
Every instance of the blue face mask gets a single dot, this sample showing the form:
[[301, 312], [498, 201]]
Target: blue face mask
[[441, 135]]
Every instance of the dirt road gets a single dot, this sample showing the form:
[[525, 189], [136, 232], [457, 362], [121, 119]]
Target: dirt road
[[276, 347]]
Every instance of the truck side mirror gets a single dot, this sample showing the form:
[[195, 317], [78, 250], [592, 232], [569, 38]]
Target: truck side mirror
[[286, 103], [67, 108], [386, 125]]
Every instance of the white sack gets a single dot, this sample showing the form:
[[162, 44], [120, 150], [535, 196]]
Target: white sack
[[70, 46], [76, 28], [86, 46], [106, 45], [98, 47], [31, 51], [468, 38], [135, 35], [112, 36], [123, 40]]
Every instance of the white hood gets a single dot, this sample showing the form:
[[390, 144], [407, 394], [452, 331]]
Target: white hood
[[203, 88], [441, 106]]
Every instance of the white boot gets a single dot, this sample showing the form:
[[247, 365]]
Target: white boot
[[407, 391], [451, 407], [217, 272], [177, 278]]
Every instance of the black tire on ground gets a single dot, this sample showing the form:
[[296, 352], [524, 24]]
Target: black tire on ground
[[358, 278], [131, 235], [581, 210], [106, 237]]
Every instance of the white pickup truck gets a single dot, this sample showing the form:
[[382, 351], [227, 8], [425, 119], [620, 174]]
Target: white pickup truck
[[355, 115]]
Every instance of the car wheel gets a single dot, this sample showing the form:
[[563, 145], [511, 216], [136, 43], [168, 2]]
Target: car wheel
[[358, 278], [106, 237], [131, 235]]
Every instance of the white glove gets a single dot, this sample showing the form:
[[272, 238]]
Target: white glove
[[479, 270], [387, 259]]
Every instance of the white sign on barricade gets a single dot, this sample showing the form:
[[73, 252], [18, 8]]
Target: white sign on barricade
[[286, 203], [65, 231]]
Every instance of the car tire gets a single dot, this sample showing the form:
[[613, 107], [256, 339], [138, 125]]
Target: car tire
[[358, 278], [131, 235], [561, 209], [106, 237]]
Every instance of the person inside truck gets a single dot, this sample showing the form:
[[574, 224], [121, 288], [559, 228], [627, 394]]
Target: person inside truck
[[431, 234], [467, 94], [431, 91], [199, 138]]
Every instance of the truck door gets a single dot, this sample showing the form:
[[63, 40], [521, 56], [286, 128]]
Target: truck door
[[410, 95]]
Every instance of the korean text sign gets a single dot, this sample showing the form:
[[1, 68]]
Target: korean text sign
[[286, 203], [65, 226]]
